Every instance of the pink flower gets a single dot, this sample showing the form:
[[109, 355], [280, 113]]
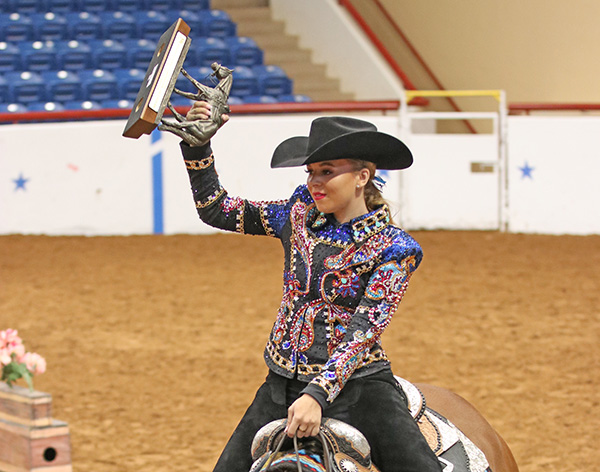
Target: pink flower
[[35, 363], [10, 337], [18, 350], [5, 358]]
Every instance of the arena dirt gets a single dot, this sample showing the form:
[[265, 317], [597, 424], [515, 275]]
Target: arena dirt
[[154, 343]]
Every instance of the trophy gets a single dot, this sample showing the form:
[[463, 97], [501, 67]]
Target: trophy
[[159, 84]]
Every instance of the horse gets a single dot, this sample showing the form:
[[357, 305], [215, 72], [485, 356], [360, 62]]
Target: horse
[[473, 425], [456, 431]]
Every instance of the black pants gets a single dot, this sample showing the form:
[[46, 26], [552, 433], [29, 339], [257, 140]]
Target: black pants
[[374, 404]]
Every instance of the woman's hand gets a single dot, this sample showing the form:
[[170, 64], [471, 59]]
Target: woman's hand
[[202, 111], [304, 417]]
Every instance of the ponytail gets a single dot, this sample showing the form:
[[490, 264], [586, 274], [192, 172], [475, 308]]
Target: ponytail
[[373, 197]]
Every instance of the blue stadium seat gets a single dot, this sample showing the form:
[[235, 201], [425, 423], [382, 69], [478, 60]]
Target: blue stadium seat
[[260, 99], [25, 87], [201, 74], [73, 55], [194, 4], [84, 26], [93, 5], [216, 23], [244, 51], [179, 101], [45, 106], [126, 5], [15, 27], [60, 6], [118, 103], [10, 57], [49, 26], [37, 55], [244, 82], [294, 98], [118, 25], [12, 108], [235, 101], [22, 6], [98, 85], [108, 54], [190, 17], [129, 82], [150, 24], [62, 86], [3, 90], [205, 51], [161, 5], [139, 52], [272, 80], [82, 105]]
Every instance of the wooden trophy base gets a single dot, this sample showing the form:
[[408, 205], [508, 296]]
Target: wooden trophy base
[[30, 439]]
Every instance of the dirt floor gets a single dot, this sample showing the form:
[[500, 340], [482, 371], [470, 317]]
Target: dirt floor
[[134, 332]]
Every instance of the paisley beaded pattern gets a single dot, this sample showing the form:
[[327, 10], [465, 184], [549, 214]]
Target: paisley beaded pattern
[[341, 282]]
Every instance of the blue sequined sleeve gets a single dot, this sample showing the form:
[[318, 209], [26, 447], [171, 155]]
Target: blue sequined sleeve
[[216, 208], [385, 290]]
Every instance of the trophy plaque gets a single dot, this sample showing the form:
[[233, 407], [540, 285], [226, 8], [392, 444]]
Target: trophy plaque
[[159, 81], [159, 84]]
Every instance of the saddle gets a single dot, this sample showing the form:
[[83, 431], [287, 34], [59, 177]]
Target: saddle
[[342, 448], [339, 447], [454, 450]]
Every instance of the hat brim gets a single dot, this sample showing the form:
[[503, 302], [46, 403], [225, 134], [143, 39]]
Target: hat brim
[[386, 151]]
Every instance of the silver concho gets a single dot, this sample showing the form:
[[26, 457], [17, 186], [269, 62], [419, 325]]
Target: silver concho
[[346, 465]]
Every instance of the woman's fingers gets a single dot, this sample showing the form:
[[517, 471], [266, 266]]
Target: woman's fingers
[[304, 417], [202, 111], [199, 111]]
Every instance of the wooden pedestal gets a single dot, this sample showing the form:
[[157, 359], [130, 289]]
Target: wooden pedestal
[[30, 440]]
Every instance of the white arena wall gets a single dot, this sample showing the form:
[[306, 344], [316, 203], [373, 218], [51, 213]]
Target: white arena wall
[[86, 179]]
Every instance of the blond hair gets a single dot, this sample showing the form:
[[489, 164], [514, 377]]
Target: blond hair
[[373, 197]]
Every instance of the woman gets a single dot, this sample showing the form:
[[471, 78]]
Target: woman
[[346, 269]]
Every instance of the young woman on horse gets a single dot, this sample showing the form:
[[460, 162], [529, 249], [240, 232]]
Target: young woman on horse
[[347, 267]]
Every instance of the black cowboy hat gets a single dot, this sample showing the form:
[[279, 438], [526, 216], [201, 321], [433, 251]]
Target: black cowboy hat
[[338, 137]]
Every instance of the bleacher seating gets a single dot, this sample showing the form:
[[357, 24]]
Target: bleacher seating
[[3, 90], [244, 51], [88, 54], [62, 86], [204, 51], [82, 105], [10, 57], [15, 27], [49, 26], [45, 106], [13, 108], [272, 80], [25, 87], [84, 26], [108, 54], [37, 55], [73, 55], [99, 85], [129, 81]]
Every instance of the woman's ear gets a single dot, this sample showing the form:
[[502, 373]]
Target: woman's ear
[[363, 177]]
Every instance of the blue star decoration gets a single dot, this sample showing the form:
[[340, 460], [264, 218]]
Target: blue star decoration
[[526, 171], [20, 182]]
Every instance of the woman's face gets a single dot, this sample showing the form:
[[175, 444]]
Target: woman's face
[[337, 187]]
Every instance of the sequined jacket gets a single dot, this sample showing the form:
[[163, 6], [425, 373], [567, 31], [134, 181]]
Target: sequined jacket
[[341, 283]]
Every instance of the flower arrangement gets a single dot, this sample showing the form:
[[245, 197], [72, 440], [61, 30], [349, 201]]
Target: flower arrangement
[[15, 362]]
